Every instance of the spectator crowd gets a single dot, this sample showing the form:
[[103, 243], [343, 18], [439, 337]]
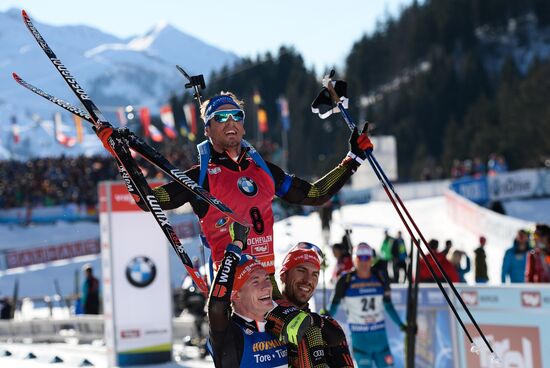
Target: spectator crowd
[[62, 180], [469, 167], [527, 260], [476, 167]]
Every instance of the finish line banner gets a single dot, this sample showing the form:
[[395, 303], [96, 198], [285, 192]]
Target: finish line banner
[[136, 281], [51, 253]]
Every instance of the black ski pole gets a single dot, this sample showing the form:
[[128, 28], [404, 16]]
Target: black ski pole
[[385, 184], [15, 297], [412, 305], [196, 82], [135, 181]]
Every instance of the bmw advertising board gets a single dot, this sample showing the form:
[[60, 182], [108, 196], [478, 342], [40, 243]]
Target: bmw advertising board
[[136, 281]]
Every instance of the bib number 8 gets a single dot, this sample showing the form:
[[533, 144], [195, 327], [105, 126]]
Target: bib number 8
[[257, 221]]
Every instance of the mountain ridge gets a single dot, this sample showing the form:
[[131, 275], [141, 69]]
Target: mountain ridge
[[138, 70]]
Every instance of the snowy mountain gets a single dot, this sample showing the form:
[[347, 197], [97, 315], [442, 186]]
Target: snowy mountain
[[115, 72]]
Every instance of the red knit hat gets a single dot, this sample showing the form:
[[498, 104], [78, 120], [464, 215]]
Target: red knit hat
[[247, 265], [301, 253]]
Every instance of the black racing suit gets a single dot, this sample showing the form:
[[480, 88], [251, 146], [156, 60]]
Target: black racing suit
[[239, 342]]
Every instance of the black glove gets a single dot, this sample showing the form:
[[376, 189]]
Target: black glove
[[239, 232], [358, 144]]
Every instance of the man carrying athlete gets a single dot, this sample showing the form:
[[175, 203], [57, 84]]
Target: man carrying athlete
[[240, 298]]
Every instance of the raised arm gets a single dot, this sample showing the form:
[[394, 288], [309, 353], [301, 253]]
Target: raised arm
[[298, 191], [219, 302]]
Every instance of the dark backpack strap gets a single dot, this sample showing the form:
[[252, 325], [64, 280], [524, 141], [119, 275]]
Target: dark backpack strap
[[257, 158], [204, 159]]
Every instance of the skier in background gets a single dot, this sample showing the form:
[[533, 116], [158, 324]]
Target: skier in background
[[90, 291], [365, 293], [480, 262], [399, 258], [515, 259], [194, 302]]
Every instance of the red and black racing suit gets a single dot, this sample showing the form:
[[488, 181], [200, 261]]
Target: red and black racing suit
[[248, 190]]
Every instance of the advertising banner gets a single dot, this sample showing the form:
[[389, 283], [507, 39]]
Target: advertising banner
[[475, 189], [516, 322], [27, 257], [514, 318], [386, 155], [434, 339], [526, 183], [137, 296], [516, 184]]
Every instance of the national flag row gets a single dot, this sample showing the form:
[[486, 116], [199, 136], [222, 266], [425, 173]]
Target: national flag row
[[186, 127], [58, 130]]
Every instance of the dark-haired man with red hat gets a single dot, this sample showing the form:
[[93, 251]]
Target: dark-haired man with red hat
[[299, 275]]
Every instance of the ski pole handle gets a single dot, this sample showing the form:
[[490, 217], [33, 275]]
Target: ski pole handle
[[327, 83]]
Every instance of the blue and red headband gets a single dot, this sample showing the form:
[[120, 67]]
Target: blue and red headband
[[217, 101]]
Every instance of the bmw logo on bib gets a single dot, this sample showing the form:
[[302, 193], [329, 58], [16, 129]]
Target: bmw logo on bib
[[247, 186], [141, 271]]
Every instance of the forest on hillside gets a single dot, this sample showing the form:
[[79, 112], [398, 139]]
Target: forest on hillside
[[450, 79]]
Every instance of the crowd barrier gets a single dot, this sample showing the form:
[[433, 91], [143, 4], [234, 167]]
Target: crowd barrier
[[480, 220], [83, 240], [514, 318], [417, 190], [527, 183], [42, 214], [85, 329]]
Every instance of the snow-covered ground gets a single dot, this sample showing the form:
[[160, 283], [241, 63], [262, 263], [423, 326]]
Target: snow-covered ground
[[73, 356], [368, 222]]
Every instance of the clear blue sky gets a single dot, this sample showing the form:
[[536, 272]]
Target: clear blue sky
[[322, 31]]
